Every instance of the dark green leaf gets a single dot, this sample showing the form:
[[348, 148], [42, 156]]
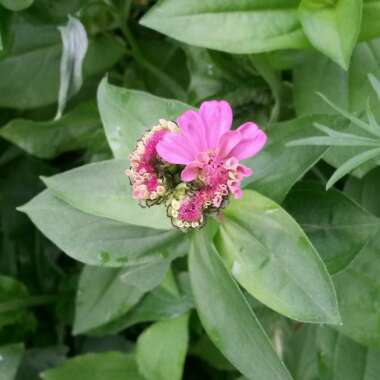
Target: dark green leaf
[[16, 5], [48, 139], [337, 226]]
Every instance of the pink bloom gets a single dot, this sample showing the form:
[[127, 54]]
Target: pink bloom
[[210, 150]]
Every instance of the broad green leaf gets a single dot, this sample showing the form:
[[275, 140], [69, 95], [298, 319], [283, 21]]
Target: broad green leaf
[[332, 27], [227, 317], [278, 167], [358, 289], [105, 294], [93, 240], [271, 257], [338, 227], [103, 189], [366, 191], [101, 366], [248, 27], [128, 114], [163, 303], [48, 139], [29, 73], [347, 89], [11, 356], [75, 45], [16, 5], [161, 349]]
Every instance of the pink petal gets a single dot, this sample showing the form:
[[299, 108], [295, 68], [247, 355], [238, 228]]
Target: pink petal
[[253, 140], [228, 142], [217, 117], [193, 129], [173, 149], [191, 171]]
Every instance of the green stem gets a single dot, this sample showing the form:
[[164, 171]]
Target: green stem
[[176, 90], [27, 302]]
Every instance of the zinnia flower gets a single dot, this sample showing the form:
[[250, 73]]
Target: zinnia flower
[[194, 167]]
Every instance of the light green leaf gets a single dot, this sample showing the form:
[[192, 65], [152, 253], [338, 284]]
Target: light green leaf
[[227, 317], [16, 5], [277, 168], [11, 356], [107, 365], [338, 227], [128, 114], [332, 27], [271, 257], [103, 189], [75, 45], [370, 25], [93, 240], [48, 139], [161, 349], [375, 84], [352, 164], [105, 294], [248, 27]]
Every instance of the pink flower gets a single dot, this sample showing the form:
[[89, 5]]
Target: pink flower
[[209, 149]]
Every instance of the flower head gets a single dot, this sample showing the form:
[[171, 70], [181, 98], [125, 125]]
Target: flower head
[[148, 179], [194, 167], [209, 149]]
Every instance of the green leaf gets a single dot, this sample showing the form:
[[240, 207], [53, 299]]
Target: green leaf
[[107, 365], [375, 84], [161, 349], [93, 240], [271, 257], [128, 114], [332, 27], [11, 290], [338, 227], [11, 356], [352, 164], [16, 5], [248, 27], [349, 90], [103, 189], [105, 294], [365, 191], [48, 139], [358, 289], [75, 45], [160, 304], [29, 73], [370, 25], [227, 317], [277, 168]]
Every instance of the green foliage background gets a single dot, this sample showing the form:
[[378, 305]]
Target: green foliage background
[[286, 286]]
